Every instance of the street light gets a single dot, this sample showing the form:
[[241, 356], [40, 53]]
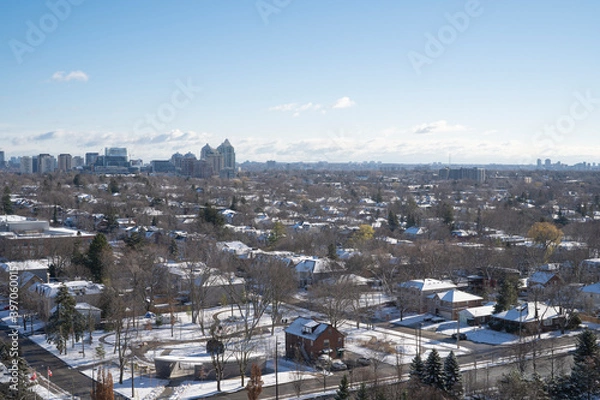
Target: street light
[[276, 374]]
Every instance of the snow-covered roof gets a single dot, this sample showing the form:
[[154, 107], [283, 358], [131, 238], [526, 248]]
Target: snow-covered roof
[[306, 328], [526, 312], [540, 278], [24, 265], [75, 288], [593, 288], [457, 296], [426, 285], [475, 312]]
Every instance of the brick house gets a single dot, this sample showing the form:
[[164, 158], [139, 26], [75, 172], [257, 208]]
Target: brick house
[[311, 338]]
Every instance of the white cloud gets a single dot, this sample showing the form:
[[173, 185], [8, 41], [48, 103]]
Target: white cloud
[[344, 102], [437, 126], [61, 76], [295, 108]]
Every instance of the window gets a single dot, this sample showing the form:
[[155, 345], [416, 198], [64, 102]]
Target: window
[[326, 343]]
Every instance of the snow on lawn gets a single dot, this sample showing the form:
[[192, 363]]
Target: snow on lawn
[[287, 372], [146, 387]]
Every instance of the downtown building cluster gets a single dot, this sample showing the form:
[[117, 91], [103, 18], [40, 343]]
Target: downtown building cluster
[[213, 161]]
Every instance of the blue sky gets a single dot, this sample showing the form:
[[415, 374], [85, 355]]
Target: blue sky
[[303, 80]]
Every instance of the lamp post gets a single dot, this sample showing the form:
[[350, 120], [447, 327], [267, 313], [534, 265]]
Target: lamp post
[[276, 374]]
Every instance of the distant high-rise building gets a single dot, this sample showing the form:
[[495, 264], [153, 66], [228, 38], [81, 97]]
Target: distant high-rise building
[[46, 164], [26, 165], [90, 159], [65, 162], [475, 174], [221, 160], [539, 163], [548, 163], [77, 162], [116, 157], [2, 160]]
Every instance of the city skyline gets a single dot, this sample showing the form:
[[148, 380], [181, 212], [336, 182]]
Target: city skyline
[[472, 81]]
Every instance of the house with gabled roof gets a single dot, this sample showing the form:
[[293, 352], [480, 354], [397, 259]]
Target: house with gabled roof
[[448, 304], [308, 338], [412, 295], [590, 297], [528, 318]]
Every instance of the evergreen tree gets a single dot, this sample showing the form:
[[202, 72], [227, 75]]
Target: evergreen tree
[[7, 206], [452, 377], [434, 375], [361, 393], [507, 295], [393, 222], [585, 373], [210, 215], [331, 251], [95, 258], [417, 369], [343, 391], [18, 388], [65, 321]]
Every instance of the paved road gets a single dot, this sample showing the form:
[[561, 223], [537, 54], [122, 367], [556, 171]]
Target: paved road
[[68, 379]]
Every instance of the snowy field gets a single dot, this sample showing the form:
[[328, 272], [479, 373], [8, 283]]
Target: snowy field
[[185, 339]]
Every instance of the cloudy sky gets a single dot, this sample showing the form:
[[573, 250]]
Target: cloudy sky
[[303, 80]]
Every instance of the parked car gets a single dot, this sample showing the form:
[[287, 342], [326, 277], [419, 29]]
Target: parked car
[[338, 365], [150, 315], [461, 336], [363, 361], [436, 320]]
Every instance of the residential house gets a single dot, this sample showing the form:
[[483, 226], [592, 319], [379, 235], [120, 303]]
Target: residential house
[[83, 291], [476, 315], [529, 318], [590, 298], [313, 269], [448, 304], [412, 295], [213, 286], [308, 339]]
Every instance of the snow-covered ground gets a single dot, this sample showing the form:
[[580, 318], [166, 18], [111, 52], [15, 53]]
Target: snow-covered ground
[[185, 339]]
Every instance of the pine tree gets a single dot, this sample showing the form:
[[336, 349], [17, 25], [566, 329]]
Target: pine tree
[[417, 369], [361, 393], [343, 391], [7, 206], [393, 222], [65, 321], [19, 388], [452, 377], [507, 295], [434, 375], [585, 373], [95, 258]]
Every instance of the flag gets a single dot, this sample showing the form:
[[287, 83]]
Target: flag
[[49, 372], [34, 376]]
